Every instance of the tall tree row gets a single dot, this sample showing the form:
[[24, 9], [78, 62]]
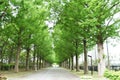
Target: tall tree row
[[24, 31], [90, 21], [78, 25]]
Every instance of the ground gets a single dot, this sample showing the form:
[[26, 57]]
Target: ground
[[52, 74], [48, 74]]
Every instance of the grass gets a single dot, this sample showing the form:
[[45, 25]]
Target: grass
[[10, 74], [88, 76]]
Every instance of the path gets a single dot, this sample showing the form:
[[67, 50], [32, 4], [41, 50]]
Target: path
[[49, 74]]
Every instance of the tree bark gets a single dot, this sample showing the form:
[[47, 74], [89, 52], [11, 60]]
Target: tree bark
[[17, 58], [76, 54], [1, 53], [34, 58], [43, 64], [72, 63], [85, 57], [39, 62], [77, 66], [101, 56], [69, 63], [64, 64], [27, 59], [108, 57], [19, 43], [10, 56]]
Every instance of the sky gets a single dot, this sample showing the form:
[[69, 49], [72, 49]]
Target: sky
[[113, 50]]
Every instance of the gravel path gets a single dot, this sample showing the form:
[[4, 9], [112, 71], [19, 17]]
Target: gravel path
[[49, 74]]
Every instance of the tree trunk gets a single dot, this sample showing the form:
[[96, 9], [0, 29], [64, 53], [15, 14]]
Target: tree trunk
[[2, 57], [101, 56], [43, 64], [108, 57], [10, 56], [64, 64], [85, 58], [39, 62], [72, 63], [77, 66], [17, 58], [34, 58], [61, 65], [18, 50], [76, 54], [69, 64], [27, 59], [1, 53]]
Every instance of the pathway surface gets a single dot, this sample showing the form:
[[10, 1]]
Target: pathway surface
[[49, 74]]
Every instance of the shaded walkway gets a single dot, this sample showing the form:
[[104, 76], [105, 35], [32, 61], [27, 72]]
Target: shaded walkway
[[49, 74]]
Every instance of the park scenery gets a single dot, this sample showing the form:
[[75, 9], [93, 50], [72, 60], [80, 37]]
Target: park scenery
[[59, 39]]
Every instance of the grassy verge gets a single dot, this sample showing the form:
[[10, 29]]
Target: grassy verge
[[112, 75], [88, 76], [10, 74]]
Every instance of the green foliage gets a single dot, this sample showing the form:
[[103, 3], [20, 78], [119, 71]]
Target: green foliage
[[89, 20], [5, 13], [22, 22], [26, 27], [112, 75], [7, 66]]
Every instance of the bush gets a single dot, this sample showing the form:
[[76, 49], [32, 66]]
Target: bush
[[112, 75], [7, 66]]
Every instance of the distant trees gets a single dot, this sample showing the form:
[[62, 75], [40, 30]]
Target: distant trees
[[24, 29], [90, 22], [78, 26]]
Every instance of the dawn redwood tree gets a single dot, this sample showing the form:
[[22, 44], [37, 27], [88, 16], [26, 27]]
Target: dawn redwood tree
[[72, 22], [42, 45], [61, 46], [23, 27], [5, 14], [93, 19], [78, 26], [102, 20], [66, 41]]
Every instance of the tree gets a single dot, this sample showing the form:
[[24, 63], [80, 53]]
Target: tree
[[91, 17], [72, 23], [21, 23], [104, 11]]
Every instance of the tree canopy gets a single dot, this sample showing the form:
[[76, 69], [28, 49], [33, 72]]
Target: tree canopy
[[77, 27]]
